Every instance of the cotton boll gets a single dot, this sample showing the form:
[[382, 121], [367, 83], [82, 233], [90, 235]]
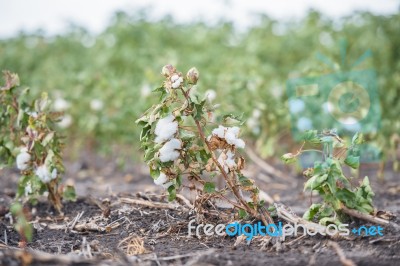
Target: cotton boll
[[176, 84], [180, 79], [174, 77], [145, 91], [256, 113], [65, 122], [23, 160], [162, 180], [230, 137], [211, 95], [234, 130], [230, 161], [239, 143], [60, 105], [221, 160], [44, 174], [28, 188], [96, 104], [166, 128], [168, 151], [219, 132], [227, 161]]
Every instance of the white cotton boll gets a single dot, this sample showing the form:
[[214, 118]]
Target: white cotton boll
[[221, 160], [168, 151], [28, 188], [230, 137], [65, 122], [180, 79], [33, 114], [168, 156], [60, 105], [256, 113], [234, 130], [162, 180], [211, 95], [230, 161], [96, 104], [239, 143], [166, 128], [219, 132], [175, 77], [23, 160], [176, 84], [145, 90], [44, 174]]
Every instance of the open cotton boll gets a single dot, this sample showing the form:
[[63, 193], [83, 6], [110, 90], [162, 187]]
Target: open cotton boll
[[175, 77], [219, 132], [60, 105], [96, 104], [221, 160], [65, 122], [44, 174], [169, 152], [230, 161], [28, 188], [230, 135], [239, 143], [176, 84], [162, 180], [23, 159], [166, 128], [227, 161], [211, 95]]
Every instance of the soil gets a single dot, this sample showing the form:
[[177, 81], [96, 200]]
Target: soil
[[114, 231]]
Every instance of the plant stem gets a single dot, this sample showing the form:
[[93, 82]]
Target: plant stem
[[233, 188]]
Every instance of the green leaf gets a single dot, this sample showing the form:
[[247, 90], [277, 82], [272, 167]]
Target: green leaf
[[312, 211], [352, 161], [289, 158], [244, 181], [315, 181], [172, 193], [311, 136], [155, 173], [69, 193], [242, 214], [357, 139], [209, 187]]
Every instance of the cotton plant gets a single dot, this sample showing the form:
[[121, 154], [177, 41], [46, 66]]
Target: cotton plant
[[326, 177], [30, 141], [181, 140]]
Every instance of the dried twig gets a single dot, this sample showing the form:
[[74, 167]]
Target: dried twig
[[339, 251], [150, 204], [185, 200], [365, 217]]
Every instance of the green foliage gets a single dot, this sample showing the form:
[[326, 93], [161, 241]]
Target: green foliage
[[327, 178], [29, 138], [247, 70]]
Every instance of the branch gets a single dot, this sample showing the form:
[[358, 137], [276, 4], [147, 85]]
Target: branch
[[365, 217]]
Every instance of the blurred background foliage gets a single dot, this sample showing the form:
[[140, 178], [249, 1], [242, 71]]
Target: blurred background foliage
[[106, 79]]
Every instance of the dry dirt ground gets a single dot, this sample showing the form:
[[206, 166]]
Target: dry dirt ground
[[121, 218]]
